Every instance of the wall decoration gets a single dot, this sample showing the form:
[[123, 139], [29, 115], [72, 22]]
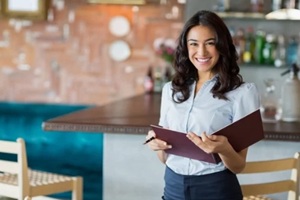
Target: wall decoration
[[119, 50], [119, 26]]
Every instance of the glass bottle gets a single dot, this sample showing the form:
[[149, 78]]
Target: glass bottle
[[257, 6], [260, 39], [223, 5], [149, 81], [291, 95], [240, 43], [280, 53], [292, 51], [158, 81], [276, 4], [270, 102], [248, 55], [269, 49]]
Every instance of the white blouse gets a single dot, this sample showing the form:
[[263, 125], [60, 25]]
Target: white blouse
[[202, 112]]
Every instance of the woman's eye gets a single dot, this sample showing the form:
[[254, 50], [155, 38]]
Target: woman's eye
[[193, 44], [211, 43]]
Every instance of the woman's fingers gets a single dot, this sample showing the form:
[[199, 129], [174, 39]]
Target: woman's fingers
[[203, 142], [150, 134], [194, 138], [156, 144]]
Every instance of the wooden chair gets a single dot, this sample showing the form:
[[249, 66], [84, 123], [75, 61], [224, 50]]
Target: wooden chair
[[19, 182], [257, 190]]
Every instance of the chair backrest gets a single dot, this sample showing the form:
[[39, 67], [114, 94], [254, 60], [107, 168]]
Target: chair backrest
[[271, 166], [17, 166]]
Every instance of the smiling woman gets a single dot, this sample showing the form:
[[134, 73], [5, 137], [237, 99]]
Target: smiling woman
[[31, 9]]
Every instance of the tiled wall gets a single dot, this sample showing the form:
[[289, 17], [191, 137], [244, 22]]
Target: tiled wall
[[66, 59]]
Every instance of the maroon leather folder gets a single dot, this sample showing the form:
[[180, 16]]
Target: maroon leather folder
[[240, 134]]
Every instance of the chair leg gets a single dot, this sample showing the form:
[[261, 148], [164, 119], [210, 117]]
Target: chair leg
[[77, 189]]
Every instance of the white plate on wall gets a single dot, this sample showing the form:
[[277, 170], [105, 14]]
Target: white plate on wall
[[119, 50], [119, 26]]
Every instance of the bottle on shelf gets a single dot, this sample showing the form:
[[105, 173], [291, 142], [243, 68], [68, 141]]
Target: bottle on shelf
[[149, 81], [223, 5], [280, 53], [239, 42], [270, 105], [290, 4], [260, 39], [269, 49], [291, 95], [292, 50], [257, 6], [277, 4], [158, 80], [248, 54]]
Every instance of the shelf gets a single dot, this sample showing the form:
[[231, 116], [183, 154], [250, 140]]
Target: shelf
[[283, 14], [250, 15]]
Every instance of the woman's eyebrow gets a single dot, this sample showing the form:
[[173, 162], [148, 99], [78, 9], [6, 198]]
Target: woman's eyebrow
[[211, 39], [194, 40]]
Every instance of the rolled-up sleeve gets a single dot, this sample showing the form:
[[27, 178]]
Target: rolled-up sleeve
[[248, 101]]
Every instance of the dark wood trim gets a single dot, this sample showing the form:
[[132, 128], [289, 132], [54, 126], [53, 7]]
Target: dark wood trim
[[134, 115]]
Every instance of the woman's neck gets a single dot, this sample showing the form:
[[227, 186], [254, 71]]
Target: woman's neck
[[202, 79]]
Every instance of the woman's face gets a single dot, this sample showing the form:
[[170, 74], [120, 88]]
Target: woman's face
[[201, 44]]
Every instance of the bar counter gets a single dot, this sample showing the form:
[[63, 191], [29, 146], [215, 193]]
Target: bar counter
[[134, 115], [127, 163]]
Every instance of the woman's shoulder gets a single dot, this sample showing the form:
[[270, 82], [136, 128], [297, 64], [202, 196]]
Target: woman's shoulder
[[245, 99], [245, 89], [167, 88]]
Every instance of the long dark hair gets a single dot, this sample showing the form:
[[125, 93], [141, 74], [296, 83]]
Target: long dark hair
[[227, 68]]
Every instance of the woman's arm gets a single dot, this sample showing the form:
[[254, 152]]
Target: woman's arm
[[162, 155], [234, 161], [158, 145]]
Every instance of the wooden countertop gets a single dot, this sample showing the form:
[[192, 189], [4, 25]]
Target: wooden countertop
[[134, 115]]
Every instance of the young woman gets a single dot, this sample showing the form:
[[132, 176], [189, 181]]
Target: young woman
[[206, 94]]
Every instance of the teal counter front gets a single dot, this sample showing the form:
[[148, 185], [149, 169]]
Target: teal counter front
[[72, 154]]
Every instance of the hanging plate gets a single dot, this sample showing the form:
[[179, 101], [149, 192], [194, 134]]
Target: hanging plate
[[119, 50], [119, 26]]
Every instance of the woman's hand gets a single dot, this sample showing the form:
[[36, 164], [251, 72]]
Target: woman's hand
[[156, 144], [234, 161], [210, 143]]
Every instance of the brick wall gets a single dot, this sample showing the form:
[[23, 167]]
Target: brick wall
[[38, 63]]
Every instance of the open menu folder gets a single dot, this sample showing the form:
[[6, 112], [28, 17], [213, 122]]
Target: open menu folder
[[240, 134]]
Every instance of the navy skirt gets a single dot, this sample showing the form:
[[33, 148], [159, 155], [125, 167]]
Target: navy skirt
[[222, 185]]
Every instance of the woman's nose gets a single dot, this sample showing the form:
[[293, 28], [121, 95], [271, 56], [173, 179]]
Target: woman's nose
[[201, 50]]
